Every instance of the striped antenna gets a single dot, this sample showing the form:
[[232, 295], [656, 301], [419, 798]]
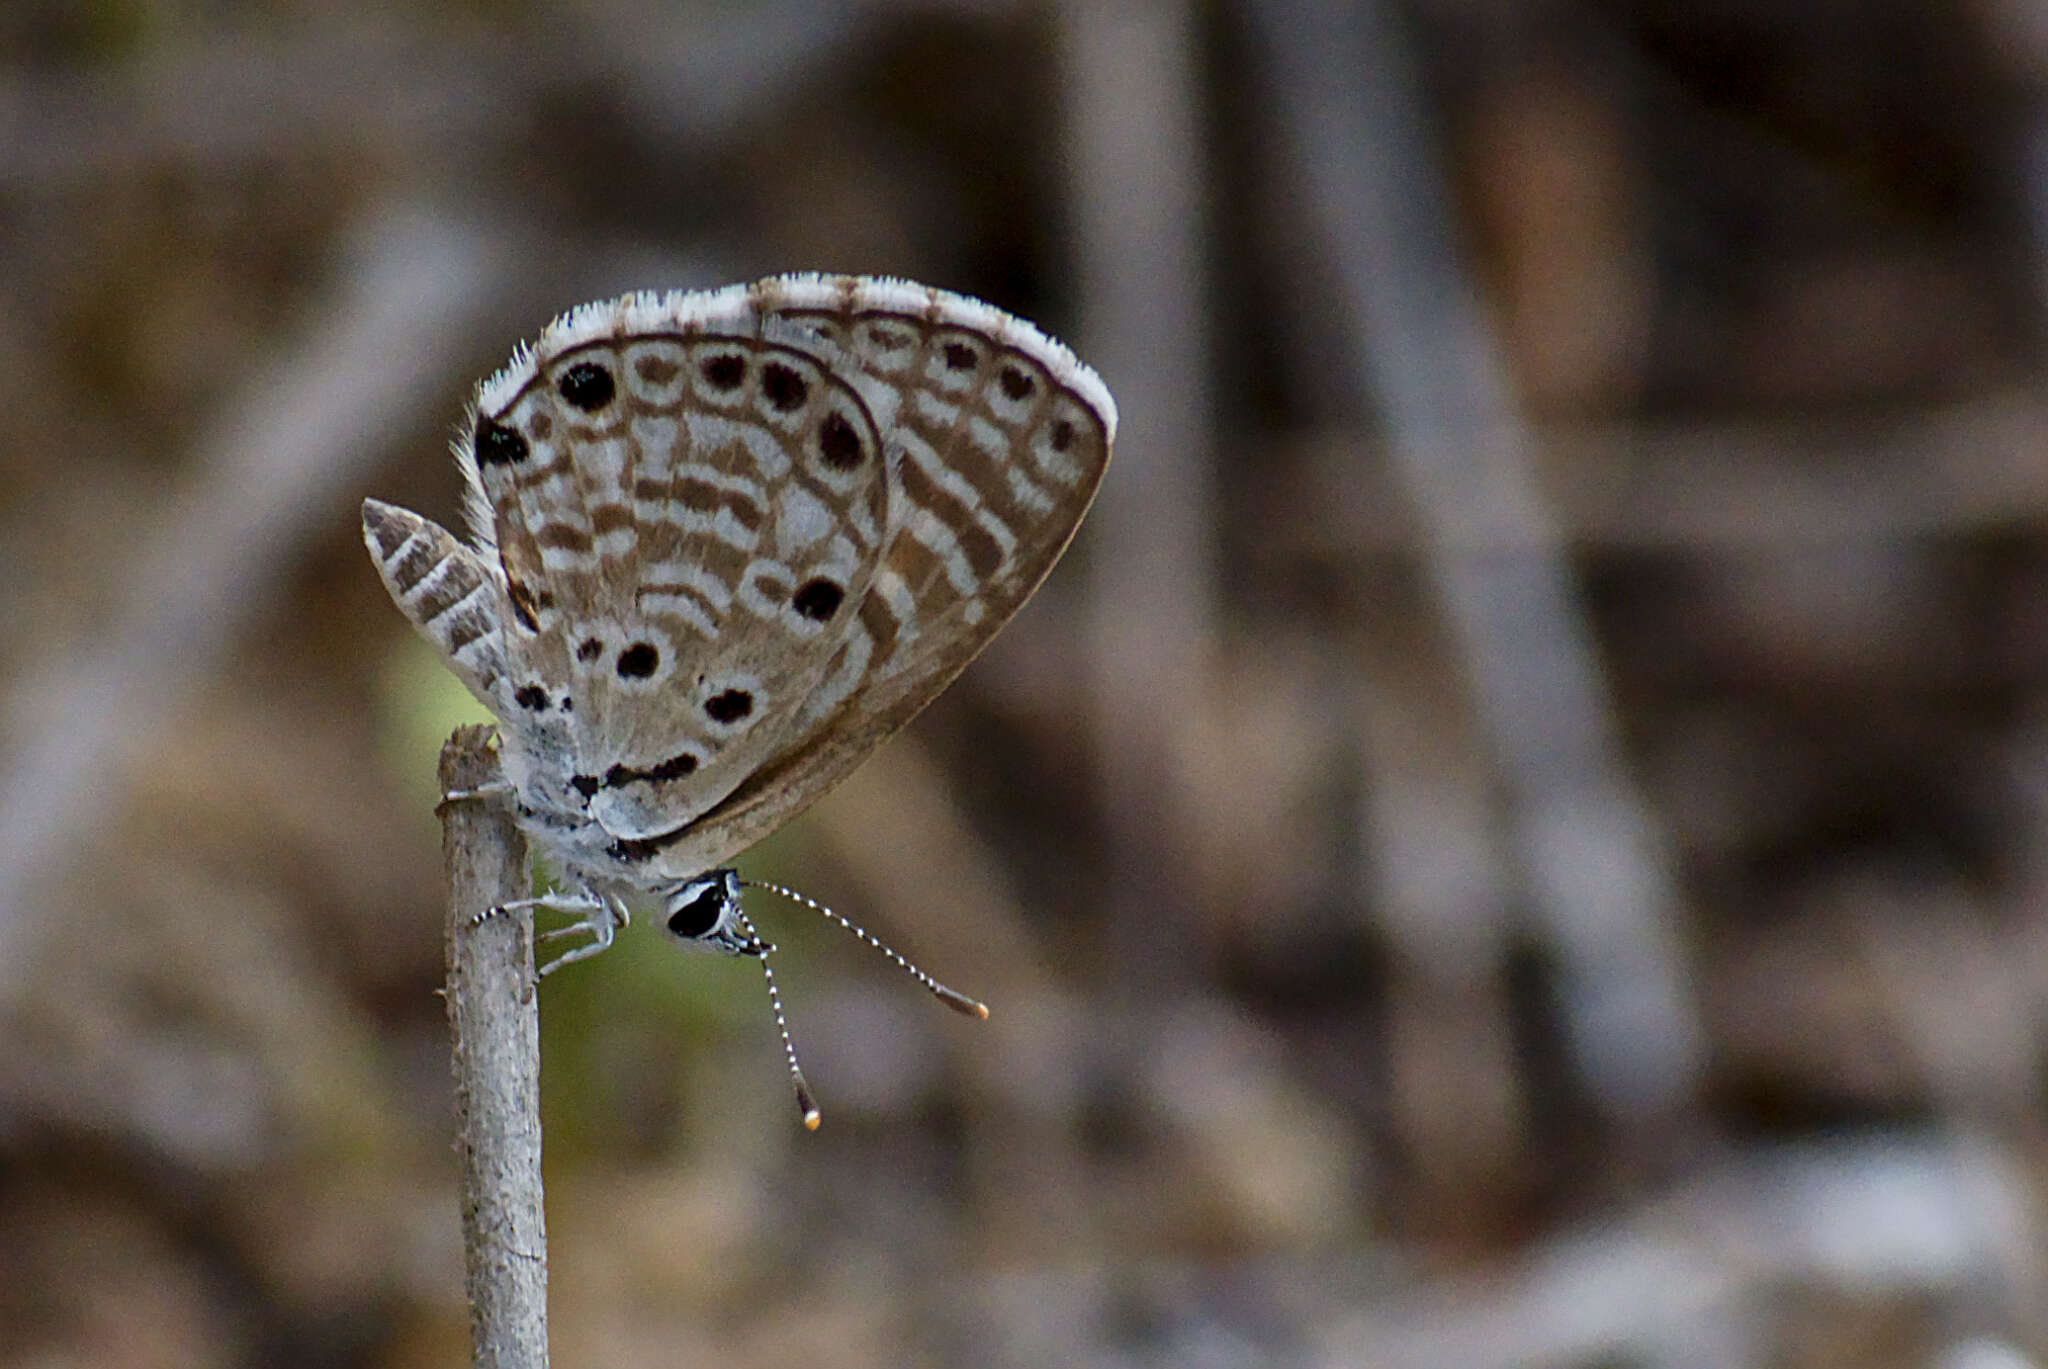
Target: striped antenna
[[804, 1101], [952, 998]]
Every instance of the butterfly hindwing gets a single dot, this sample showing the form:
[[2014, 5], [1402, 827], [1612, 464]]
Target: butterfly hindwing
[[447, 590]]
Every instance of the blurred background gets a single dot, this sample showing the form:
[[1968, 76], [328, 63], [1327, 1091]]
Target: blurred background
[[1518, 834]]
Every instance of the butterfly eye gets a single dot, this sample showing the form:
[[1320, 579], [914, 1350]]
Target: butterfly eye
[[705, 914], [698, 916]]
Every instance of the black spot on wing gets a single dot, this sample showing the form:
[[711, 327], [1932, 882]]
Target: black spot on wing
[[786, 390], [729, 706], [498, 445], [818, 599], [724, 371], [838, 443], [638, 661], [586, 385], [674, 768]]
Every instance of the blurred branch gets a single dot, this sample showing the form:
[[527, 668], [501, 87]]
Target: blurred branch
[[688, 74], [1354, 117], [1691, 1283], [494, 1008], [896, 826], [1943, 471], [290, 445], [1132, 89]]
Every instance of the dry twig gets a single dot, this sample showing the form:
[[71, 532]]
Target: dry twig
[[494, 1007]]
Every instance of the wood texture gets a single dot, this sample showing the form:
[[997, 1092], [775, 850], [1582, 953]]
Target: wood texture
[[494, 1008]]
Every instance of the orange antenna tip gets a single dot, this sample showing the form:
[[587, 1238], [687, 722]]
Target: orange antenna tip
[[960, 1002]]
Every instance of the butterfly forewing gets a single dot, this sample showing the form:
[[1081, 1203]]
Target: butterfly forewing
[[997, 439], [695, 518]]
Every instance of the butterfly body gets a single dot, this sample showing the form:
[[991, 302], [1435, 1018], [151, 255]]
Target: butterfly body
[[724, 544]]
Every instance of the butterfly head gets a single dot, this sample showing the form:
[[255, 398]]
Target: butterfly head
[[704, 914]]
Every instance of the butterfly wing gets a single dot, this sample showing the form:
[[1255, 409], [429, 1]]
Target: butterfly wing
[[689, 507], [452, 595], [995, 440], [728, 542]]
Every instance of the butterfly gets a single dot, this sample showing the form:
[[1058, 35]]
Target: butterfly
[[722, 545]]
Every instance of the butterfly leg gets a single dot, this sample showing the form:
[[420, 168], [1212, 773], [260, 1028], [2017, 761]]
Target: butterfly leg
[[496, 791], [597, 917], [579, 903], [486, 793]]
